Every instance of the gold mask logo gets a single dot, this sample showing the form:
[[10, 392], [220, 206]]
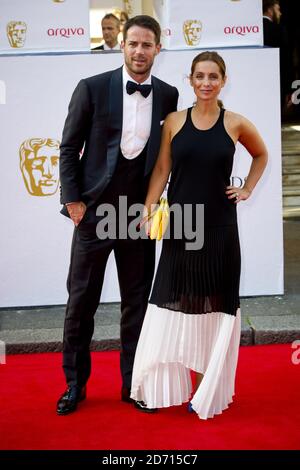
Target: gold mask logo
[[39, 160], [16, 33], [192, 30]]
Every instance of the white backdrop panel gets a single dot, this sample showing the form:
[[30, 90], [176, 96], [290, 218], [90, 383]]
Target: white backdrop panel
[[44, 25], [210, 23], [35, 239]]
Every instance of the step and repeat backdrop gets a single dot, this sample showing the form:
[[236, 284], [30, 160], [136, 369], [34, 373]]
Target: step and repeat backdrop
[[44, 25], [35, 238], [63, 25], [207, 23], [35, 91]]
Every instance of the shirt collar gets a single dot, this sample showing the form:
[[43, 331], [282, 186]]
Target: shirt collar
[[115, 48]]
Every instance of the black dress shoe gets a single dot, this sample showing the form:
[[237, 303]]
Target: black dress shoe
[[69, 399], [141, 405], [125, 395]]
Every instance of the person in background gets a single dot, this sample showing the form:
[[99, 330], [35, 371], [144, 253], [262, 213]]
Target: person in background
[[276, 36], [123, 17], [271, 20], [110, 30]]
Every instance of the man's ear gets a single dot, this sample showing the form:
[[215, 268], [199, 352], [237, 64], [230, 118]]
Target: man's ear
[[158, 49]]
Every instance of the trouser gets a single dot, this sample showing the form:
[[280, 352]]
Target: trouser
[[135, 266], [135, 260]]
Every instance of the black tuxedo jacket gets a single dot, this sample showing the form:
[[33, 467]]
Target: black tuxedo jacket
[[94, 122], [275, 35], [99, 48], [272, 34]]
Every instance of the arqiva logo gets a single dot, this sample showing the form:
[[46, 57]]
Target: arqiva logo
[[65, 32], [242, 30]]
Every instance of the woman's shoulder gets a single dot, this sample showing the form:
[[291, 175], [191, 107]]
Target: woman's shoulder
[[238, 126], [235, 118], [176, 117], [174, 122], [232, 116]]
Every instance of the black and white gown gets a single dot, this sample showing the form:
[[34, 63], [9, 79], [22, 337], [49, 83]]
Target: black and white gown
[[193, 318]]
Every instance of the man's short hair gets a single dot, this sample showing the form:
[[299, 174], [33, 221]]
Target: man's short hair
[[111, 16], [144, 21], [268, 4]]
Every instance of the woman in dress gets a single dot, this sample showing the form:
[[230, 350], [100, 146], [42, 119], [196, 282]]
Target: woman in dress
[[193, 317]]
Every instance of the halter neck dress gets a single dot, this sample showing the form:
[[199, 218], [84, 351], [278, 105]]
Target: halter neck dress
[[193, 318]]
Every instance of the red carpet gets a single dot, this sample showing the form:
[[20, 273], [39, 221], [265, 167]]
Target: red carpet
[[265, 413]]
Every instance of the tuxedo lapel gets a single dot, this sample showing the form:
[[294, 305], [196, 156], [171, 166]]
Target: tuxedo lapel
[[115, 119], [154, 139]]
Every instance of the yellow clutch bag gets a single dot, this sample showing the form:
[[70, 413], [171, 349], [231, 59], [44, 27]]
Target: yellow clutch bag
[[159, 220]]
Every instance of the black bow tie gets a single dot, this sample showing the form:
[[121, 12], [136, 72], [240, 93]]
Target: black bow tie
[[131, 87]]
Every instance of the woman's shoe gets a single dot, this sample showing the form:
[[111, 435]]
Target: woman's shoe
[[190, 408], [141, 405]]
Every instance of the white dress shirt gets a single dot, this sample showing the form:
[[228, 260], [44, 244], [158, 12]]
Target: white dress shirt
[[137, 115], [117, 47]]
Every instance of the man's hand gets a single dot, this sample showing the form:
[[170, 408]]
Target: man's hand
[[76, 211]]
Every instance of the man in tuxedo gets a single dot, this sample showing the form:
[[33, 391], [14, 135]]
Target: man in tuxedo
[[276, 36], [110, 30], [116, 117], [271, 19]]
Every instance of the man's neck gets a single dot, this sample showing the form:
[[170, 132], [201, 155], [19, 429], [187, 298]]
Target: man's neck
[[268, 17], [110, 45], [139, 78]]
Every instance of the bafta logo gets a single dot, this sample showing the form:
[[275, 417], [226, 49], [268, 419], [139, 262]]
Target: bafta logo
[[16, 33], [39, 165], [192, 32]]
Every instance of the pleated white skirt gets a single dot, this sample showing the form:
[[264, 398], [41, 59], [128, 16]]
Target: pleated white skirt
[[173, 343]]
